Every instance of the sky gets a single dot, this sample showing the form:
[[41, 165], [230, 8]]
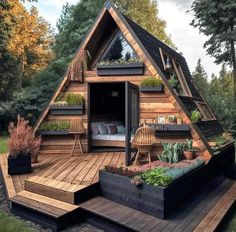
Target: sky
[[187, 39]]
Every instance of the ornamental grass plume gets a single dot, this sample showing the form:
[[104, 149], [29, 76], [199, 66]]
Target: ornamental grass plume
[[22, 139]]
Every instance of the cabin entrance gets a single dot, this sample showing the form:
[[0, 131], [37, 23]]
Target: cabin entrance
[[113, 116]]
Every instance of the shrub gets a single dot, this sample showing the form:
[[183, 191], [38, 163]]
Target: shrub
[[195, 116], [151, 82], [74, 99], [54, 125], [174, 83], [156, 177], [22, 139]]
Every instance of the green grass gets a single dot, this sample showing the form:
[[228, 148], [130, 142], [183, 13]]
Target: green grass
[[3, 144], [11, 224]]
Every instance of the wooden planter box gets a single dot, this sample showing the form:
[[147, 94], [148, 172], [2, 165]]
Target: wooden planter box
[[67, 110], [120, 69], [157, 201], [158, 89], [19, 165], [61, 132]]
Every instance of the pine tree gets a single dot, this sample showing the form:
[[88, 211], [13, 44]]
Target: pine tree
[[200, 78], [217, 20]]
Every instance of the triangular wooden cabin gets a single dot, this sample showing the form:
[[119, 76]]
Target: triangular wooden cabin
[[112, 92]]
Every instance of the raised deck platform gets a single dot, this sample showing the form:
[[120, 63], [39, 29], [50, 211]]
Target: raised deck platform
[[53, 196]]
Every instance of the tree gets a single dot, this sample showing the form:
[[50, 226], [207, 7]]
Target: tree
[[8, 72], [217, 20], [30, 41], [200, 77], [76, 20]]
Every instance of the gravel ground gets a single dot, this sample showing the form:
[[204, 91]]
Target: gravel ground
[[84, 227]]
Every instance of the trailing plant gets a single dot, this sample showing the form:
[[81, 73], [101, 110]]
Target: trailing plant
[[156, 177], [22, 139], [151, 82], [195, 116], [119, 61], [54, 125], [172, 153]]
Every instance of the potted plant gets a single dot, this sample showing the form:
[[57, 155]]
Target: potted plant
[[120, 67], [174, 83], [172, 119], [151, 84], [179, 120], [189, 150], [23, 147], [195, 116], [68, 104], [54, 128]]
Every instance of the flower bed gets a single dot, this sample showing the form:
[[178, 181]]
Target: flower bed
[[154, 188]]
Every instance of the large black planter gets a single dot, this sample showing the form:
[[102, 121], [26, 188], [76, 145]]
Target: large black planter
[[157, 201], [19, 165], [57, 132], [67, 110], [158, 89], [120, 69]]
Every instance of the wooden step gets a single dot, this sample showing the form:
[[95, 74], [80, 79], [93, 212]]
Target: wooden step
[[45, 211], [56, 189], [105, 214]]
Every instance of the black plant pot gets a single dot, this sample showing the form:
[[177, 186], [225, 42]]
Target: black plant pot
[[20, 164], [158, 89], [67, 110]]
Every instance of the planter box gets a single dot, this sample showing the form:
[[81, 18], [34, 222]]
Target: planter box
[[61, 132], [19, 165], [158, 89], [157, 201], [170, 129], [67, 110], [120, 69]]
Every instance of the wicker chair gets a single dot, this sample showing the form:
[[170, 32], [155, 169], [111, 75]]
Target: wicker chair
[[77, 129], [143, 140]]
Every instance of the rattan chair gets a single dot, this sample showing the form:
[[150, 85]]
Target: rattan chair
[[143, 140], [77, 129]]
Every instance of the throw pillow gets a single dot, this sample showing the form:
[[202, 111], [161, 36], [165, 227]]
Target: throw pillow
[[95, 130], [112, 129], [102, 129], [121, 129]]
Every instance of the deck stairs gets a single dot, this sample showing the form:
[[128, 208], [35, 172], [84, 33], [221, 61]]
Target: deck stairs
[[51, 203]]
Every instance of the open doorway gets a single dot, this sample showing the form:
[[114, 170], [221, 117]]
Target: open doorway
[[107, 116]]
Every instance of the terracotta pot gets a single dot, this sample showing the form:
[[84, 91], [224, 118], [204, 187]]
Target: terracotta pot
[[188, 155]]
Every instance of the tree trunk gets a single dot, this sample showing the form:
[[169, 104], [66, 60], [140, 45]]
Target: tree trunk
[[234, 67]]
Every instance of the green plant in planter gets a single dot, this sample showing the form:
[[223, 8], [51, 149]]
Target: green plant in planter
[[195, 116], [172, 153], [54, 126], [156, 177], [119, 61], [74, 99], [151, 82]]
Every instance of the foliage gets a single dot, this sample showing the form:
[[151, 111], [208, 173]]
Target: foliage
[[195, 116], [22, 139], [199, 76], [151, 82], [31, 39], [220, 30], [218, 139], [11, 224], [172, 153], [156, 177], [74, 99], [3, 144], [189, 145], [54, 125], [119, 61], [174, 83], [76, 20]]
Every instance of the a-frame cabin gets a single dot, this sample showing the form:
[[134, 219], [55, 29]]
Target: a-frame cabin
[[112, 61]]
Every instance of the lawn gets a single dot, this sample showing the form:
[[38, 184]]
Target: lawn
[[11, 224], [3, 144]]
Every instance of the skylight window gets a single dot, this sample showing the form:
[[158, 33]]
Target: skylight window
[[205, 111]]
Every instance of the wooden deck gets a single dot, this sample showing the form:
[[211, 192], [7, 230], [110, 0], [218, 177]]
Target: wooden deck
[[78, 169], [49, 191]]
